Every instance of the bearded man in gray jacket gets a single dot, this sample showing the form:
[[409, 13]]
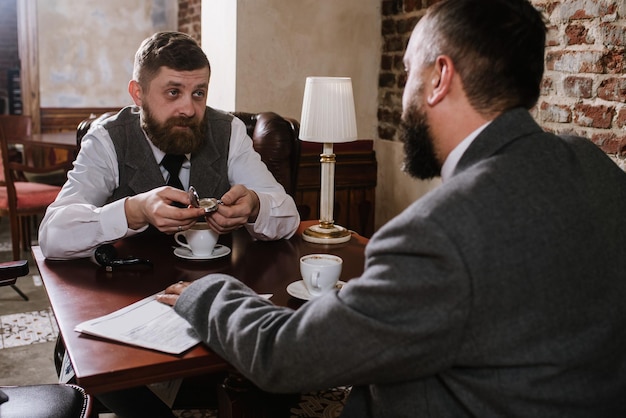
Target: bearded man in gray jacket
[[498, 294]]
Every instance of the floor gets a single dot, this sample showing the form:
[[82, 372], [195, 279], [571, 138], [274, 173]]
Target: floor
[[28, 333], [27, 328]]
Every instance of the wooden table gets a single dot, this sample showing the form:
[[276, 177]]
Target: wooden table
[[80, 290], [62, 140], [48, 149]]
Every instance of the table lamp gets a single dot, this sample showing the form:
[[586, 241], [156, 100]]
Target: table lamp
[[328, 117]]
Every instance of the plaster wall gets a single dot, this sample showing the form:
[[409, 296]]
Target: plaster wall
[[87, 47], [395, 190], [278, 44]]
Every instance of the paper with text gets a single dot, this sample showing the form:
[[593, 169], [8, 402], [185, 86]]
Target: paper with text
[[147, 323]]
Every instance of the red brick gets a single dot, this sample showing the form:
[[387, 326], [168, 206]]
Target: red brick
[[581, 87], [397, 116], [578, 10], [610, 142], [612, 34], [578, 34], [388, 100], [386, 80], [575, 61], [552, 36], [405, 26], [388, 27], [385, 115], [411, 5], [605, 141], [189, 18], [389, 7], [593, 116], [394, 44], [547, 86], [613, 61], [401, 80], [386, 62], [613, 89], [620, 121], [398, 63], [386, 132], [621, 10], [554, 113]]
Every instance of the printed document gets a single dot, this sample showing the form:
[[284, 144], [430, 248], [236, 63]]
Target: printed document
[[147, 323]]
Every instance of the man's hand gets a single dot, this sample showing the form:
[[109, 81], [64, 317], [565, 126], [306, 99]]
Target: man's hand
[[241, 205], [171, 294], [154, 207]]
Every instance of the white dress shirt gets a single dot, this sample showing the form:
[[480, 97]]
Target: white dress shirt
[[455, 155], [79, 220]]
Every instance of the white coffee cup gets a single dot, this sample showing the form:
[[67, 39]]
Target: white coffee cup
[[199, 239], [320, 272]]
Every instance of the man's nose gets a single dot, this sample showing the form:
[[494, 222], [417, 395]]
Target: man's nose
[[186, 107]]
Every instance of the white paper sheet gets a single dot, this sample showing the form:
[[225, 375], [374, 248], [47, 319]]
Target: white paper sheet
[[147, 323]]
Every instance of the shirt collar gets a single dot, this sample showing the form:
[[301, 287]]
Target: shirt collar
[[455, 155]]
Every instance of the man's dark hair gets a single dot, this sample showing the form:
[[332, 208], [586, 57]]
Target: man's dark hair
[[174, 50], [497, 47]]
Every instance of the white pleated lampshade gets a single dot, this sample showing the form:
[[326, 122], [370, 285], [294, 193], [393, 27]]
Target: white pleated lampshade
[[328, 110]]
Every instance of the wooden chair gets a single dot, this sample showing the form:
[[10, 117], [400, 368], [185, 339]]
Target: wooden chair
[[45, 400], [20, 199]]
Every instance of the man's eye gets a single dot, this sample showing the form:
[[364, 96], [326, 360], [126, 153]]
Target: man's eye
[[200, 93], [172, 93]]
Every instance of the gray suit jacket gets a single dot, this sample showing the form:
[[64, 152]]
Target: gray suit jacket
[[502, 293]]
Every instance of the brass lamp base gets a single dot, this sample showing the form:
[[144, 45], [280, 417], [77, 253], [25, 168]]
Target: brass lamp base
[[321, 234]]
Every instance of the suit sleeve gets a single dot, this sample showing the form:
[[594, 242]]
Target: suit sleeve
[[401, 320]]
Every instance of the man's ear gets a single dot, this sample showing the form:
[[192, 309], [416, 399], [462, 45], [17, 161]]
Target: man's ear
[[441, 79], [134, 89]]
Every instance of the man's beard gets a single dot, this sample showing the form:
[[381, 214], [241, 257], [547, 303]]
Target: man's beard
[[420, 159], [169, 138]]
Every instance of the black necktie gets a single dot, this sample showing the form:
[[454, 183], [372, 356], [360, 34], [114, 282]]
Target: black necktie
[[172, 164]]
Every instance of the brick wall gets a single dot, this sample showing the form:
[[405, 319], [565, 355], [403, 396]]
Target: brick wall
[[189, 18], [9, 56], [584, 88]]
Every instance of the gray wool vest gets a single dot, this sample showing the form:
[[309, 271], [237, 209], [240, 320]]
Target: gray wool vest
[[139, 172]]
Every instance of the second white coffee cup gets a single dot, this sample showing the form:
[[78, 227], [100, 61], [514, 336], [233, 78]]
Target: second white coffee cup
[[199, 239], [320, 272]]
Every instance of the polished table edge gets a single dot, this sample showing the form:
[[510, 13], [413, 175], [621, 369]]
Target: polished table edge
[[65, 140]]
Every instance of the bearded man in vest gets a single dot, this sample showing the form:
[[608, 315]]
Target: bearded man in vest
[[119, 184]]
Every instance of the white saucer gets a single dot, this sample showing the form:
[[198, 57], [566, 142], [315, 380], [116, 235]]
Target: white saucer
[[298, 289], [218, 251]]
